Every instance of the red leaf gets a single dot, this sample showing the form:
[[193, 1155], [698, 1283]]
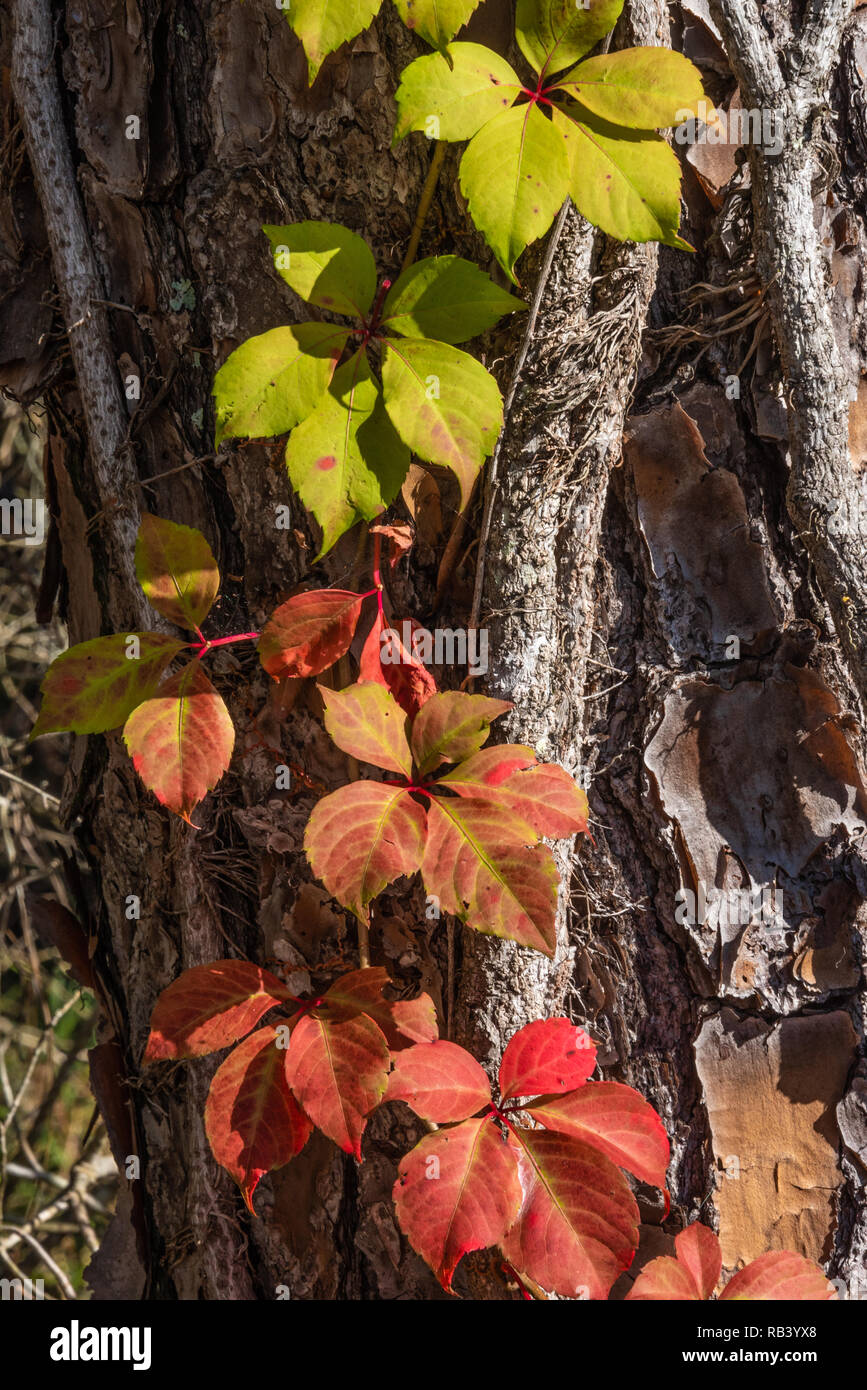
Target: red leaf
[[55, 923], [361, 991], [209, 1007], [309, 632], [408, 679], [578, 1226], [361, 838], [664, 1279], [181, 740], [479, 862], [367, 722], [698, 1250], [548, 1055], [252, 1120], [456, 1191], [543, 793], [780, 1275], [451, 726], [177, 570], [616, 1120], [439, 1081], [338, 1072]]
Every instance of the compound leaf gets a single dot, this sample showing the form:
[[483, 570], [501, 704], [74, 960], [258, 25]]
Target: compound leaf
[[445, 298], [439, 1081], [209, 1007], [181, 740], [273, 381], [479, 862], [548, 1055], [177, 570], [515, 176], [640, 87], [252, 1120], [338, 1071], [457, 1190], [361, 838], [552, 34], [346, 461], [309, 632], [451, 97], [452, 726], [325, 263], [96, 685], [443, 403]]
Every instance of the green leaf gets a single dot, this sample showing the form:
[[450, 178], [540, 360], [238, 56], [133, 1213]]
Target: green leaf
[[177, 570], [626, 182], [325, 264], [515, 176], [443, 404], [323, 25], [552, 34], [96, 685], [436, 20], [345, 460], [445, 298], [273, 381], [368, 723], [452, 98], [641, 87]]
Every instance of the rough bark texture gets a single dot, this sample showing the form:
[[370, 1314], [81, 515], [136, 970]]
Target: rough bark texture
[[612, 588]]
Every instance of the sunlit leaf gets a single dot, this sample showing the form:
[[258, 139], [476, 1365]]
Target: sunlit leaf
[[273, 381], [515, 176], [543, 793], [443, 403], [309, 632], [452, 726], [96, 685], [436, 20], [408, 679], [439, 1081], [779, 1275], [549, 1055], [362, 991], [367, 722], [346, 461], [338, 1070], [447, 299], [177, 570], [325, 263], [456, 1191], [323, 25], [451, 98], [361, 838], [640, 87], [578, 1225], [209, 1007], [181, 740], [552, 34], [252, 1120], [614, 1119]]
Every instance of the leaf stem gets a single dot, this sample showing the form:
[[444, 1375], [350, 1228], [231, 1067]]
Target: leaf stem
[[424, 203]]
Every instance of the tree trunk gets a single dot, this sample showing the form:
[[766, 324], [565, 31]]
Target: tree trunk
[[651, 608]]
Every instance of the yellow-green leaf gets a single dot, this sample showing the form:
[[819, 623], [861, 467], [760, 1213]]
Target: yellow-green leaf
[[443, 404], [450, 98], [627, 182], [177, 570], [552, 34], [96, 685], [447, 299], [346, 460], [436, 20], [640, 87], [515, 176], [273, 381], [323, 25], [325, 264]]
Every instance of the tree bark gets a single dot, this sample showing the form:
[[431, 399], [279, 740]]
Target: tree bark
[[612, 579]]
